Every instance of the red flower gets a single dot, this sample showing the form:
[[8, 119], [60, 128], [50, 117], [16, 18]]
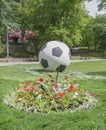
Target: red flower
[[25, 87], [22, 82], [55, 86], [94, 95], [39, 93], [41, 79], [31, 89], [47, 81], [60, 95], [52, 80], [72, 88], [28, 82], [74, 81]]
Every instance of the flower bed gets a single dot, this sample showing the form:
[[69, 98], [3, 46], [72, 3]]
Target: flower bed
[[44, 95]]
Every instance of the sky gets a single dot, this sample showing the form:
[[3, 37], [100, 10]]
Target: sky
[[93, 9]]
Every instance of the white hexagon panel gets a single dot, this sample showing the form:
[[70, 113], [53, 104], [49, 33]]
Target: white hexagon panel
[[55, 55]]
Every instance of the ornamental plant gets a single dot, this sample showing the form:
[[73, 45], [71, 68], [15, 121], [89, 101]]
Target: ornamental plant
[[44, 95]]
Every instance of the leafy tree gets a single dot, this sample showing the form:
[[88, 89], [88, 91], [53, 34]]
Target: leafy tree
[[102, 4], [7, 15], [54, 19], [99, 30], [87, 33], [49, 19]]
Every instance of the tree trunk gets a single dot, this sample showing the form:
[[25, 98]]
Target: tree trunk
[[95, 47], [23, 34]]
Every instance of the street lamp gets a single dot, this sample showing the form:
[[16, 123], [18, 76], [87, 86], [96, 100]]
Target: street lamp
[[8, 43]]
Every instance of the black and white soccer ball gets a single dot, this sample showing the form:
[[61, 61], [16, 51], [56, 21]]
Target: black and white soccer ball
[[55, 55]]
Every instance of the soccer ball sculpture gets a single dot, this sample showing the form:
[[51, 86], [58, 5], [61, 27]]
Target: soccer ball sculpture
[[55, 55]]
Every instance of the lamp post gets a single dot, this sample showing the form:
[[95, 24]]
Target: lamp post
[[7, 43]]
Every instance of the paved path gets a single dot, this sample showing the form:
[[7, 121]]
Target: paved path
[[36, 62]]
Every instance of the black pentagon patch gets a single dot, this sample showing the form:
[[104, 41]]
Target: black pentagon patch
[[44, 63], [43, 47], [57, 51], [70, 55], [61, 68]]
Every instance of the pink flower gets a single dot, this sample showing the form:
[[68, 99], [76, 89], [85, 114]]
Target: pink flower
[[31, 89], [54, 87]]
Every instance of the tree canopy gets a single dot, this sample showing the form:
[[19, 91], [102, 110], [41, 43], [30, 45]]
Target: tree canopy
[[102, 4], [54, 19], [66, 21], [99, 31]]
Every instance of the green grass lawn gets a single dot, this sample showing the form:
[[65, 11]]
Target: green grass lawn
[[93, 119]]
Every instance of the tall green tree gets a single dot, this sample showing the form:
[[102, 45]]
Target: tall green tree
[[54, 19], [99, 31], [102, 4], [87, 33], [50, 19], [7, 15]]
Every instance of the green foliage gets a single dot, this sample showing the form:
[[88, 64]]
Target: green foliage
[[7, 16], [94, 33], [102, 4], [60, 20], [99, 31], [66, 21], [49, 19], [87, 33]]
